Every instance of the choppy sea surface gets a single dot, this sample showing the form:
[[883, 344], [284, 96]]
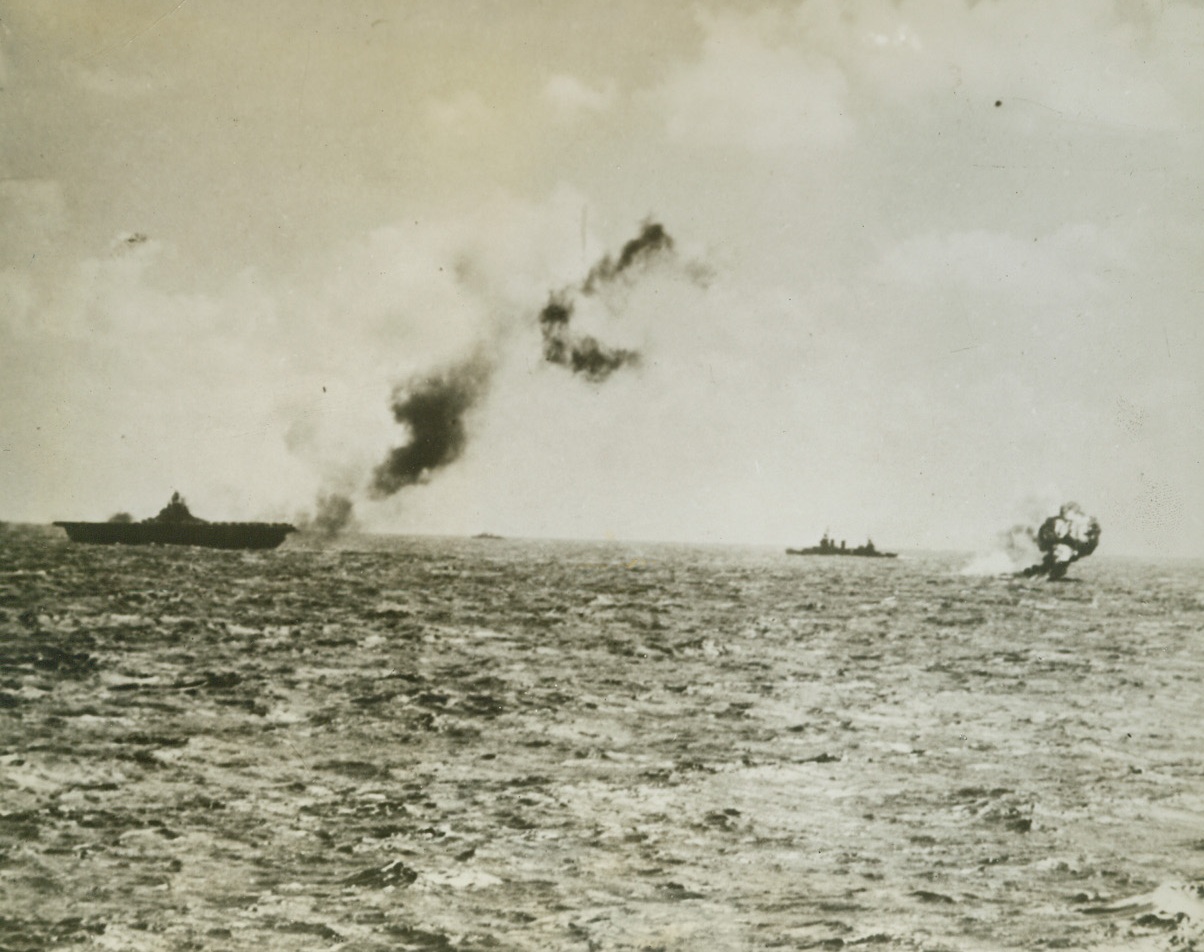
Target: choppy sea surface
[[471, 744]]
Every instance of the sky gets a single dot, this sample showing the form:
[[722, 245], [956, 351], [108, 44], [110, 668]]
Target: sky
[[935, 268]]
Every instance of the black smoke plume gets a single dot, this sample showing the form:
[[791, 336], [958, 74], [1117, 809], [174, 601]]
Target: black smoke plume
[[1065, 538], [651, 239], [333, 513], [432, 408], [582, 355], [585, 355]]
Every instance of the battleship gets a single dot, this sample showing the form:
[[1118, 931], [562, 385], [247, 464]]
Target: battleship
[[828, 546], [175, 525]]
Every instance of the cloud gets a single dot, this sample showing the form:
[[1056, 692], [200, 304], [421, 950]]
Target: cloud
[[751, 90], [463, 114], [1088, 62], [571, 96], [780, 80], [125, 388], [1063, 265]]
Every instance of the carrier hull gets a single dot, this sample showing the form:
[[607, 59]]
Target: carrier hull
[[175, 525], [210, 535]]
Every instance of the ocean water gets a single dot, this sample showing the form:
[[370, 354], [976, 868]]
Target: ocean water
[[466, 744]]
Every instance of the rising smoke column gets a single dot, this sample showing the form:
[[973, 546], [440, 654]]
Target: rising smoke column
[[333, 512], [1065, 538], [432, 408], [585, 355]]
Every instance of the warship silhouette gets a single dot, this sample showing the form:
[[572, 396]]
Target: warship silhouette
[[828, 546], [175, 525]]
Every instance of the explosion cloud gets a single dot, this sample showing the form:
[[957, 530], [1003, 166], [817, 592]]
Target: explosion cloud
[[1065, 538], [585, 355], [432, 408]]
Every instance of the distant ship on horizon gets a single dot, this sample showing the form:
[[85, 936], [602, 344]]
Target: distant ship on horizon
[[828, 546], [175, 525]]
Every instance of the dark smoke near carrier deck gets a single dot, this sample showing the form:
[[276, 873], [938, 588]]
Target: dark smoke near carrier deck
[[585, 355], [333, 513], [432, 408], [1065, 538]]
